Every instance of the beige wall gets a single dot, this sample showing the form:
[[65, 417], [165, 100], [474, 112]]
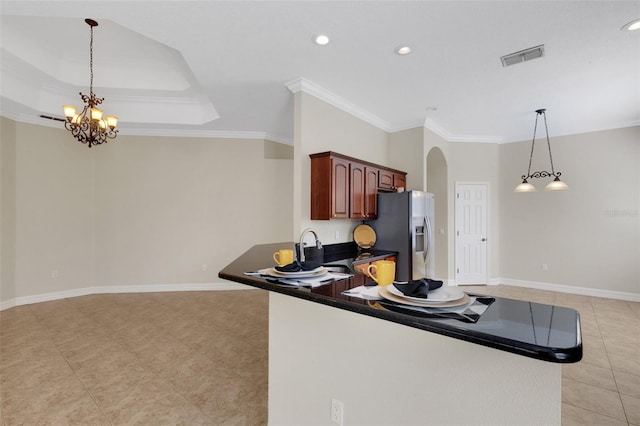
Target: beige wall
[[321, 127], [137, 211], [479, 162], [589, 236], [54, 212], [7, 209], [406, 153], [165, 207], [432, 140], [145, 210], [438, 185], [338, 364]]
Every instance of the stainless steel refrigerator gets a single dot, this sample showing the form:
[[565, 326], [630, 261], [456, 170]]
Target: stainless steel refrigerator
[[405, 224]]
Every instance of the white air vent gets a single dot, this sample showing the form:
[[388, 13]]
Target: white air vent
[[523, 55]]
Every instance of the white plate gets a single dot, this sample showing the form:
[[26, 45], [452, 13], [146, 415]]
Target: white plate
[[385, 293], [293, 274], [301, 274], [439, 295]]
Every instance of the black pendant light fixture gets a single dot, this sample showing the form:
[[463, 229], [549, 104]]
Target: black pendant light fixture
[[556, 184], [88, 126]]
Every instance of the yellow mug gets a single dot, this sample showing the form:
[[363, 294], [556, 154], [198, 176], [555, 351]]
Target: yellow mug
[[283, 257], [383, 271]]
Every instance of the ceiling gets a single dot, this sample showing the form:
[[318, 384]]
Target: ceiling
[[228, 68]]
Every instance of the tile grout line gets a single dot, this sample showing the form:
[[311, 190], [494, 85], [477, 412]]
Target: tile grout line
[[596, 412], [151, 371], [606, 350], [55, 345]]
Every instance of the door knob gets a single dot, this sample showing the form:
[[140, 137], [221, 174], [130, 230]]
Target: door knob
[[484, 239]]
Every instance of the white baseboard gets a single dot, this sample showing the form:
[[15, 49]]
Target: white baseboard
[[150, 288], [585, 291], [491, 281]]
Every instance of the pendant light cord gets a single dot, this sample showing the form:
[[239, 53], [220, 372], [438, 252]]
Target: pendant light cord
[[91, 62], [533, 141], [553, 172]]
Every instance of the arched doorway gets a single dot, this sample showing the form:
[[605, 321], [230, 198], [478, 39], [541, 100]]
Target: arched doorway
[[437, 184]]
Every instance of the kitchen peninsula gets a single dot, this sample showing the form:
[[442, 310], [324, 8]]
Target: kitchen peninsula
[[391, 365]]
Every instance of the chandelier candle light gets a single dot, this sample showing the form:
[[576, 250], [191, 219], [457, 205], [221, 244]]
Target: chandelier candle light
[[556, 184], [88, 126]]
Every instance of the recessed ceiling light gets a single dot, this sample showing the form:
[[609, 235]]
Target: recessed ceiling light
[[403, 50], [632, 26], [321, 39]]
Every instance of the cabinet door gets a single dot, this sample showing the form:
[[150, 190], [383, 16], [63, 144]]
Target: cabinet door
[[339, 188], [357, 185], [371, 193], [399, 181], [385, 179]]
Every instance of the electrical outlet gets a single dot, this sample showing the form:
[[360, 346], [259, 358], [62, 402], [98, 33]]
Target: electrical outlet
[[205, 267], [545, 267], [55, 274], [337, 411], [337, 235]]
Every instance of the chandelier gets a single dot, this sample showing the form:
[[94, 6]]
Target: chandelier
[[88, 126], [556, 184]]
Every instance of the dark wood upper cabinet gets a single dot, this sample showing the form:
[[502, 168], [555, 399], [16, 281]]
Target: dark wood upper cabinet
[[385, 179], [371, 193], [399, 181], [357, 199], [329, 188], [340, 188], [346, 188], [391, 180]]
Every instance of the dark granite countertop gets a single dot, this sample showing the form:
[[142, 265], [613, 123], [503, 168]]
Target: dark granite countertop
[[544, 332]]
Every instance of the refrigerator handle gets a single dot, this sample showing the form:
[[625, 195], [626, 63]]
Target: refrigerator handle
[[427, 237]]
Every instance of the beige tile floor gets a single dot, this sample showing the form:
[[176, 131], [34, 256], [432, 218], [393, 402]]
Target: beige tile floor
[[157, 358], [603, 388], [201, 358]]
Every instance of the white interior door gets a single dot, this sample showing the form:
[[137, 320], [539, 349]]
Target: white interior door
[[471, 233]]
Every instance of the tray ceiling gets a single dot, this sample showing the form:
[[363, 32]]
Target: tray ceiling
[[226, 68]]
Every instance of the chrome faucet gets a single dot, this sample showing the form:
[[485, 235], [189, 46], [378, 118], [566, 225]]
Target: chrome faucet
[[304, 233]]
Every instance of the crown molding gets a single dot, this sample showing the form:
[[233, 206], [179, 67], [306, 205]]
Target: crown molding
[[188, 133], [156, 131], [214, 134], [303, 85], [279, 139], [32, 119], [412, 124], [444, 134]]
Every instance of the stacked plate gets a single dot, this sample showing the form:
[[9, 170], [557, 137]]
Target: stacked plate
[[364, 236], [443, 297], [319, 271]]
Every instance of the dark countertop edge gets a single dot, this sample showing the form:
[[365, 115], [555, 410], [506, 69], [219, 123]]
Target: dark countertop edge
[[554, 355], [382, 255]]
